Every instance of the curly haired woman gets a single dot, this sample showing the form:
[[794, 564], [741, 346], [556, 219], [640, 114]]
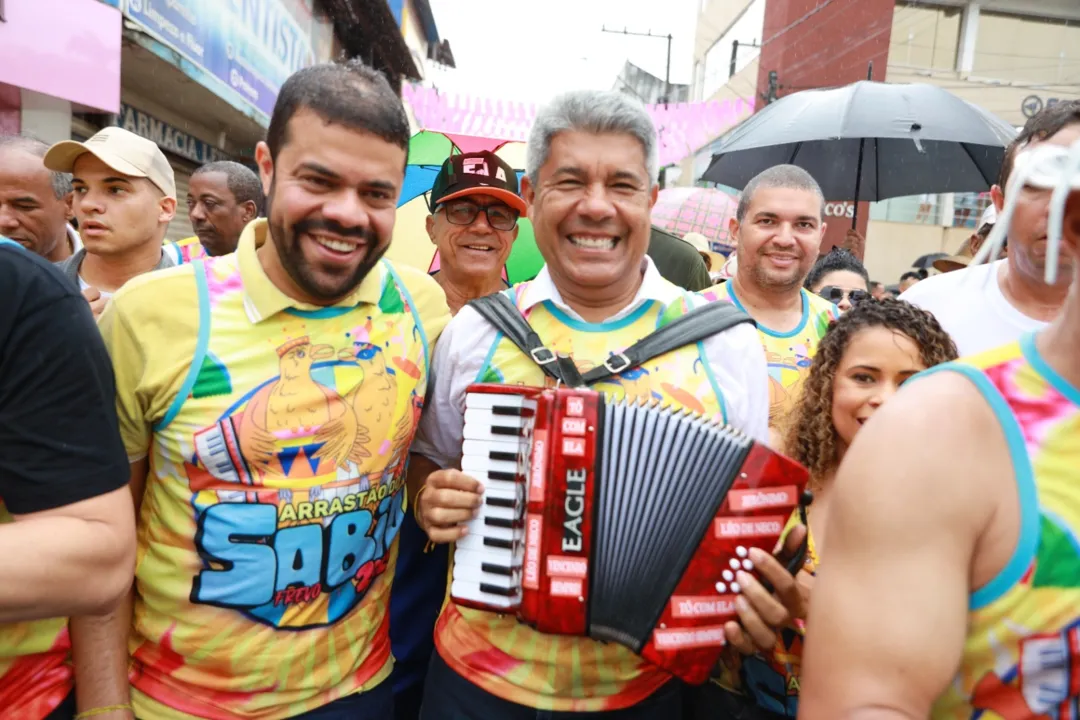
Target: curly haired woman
[[861, 362]]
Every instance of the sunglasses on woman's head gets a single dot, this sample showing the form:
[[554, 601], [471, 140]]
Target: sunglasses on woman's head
[[835, 295]]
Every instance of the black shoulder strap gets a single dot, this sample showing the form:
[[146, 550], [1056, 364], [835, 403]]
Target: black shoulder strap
[[699, 323], [502, 313], [696, 325]]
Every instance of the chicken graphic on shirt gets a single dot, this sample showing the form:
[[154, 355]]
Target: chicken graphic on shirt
[[286, 418]]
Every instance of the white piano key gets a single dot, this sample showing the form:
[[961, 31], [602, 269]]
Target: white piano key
[[474, 574], [495, 532], [500, 427], [501, 513], [477, 448], [471, 464], [474, 540], [487, 482], [505, 564], [471, 591], [491, 400]]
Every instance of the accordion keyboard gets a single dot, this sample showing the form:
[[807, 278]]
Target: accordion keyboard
[[488, 560]]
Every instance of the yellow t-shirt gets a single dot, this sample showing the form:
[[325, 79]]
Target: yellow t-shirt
[[789, 354], [277, 435]]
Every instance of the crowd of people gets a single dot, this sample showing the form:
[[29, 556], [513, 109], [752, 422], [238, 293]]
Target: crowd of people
[[231, 484]]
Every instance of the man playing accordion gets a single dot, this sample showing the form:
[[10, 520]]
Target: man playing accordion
[[590, 185]]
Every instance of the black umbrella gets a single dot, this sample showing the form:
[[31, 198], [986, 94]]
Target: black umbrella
[[927, 261], [870, 141]]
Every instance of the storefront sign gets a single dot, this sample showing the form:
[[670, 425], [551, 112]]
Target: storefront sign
[[1034, 104], [250, 45], [167, 137]]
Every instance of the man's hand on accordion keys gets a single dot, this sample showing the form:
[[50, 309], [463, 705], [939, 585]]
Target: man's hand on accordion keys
[[762, 614], [448, 500]]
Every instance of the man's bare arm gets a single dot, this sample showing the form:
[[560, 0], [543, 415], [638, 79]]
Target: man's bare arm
[[99, 643], [73, 559], [888, 617]]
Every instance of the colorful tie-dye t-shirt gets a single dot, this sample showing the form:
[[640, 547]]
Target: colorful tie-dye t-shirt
[[35, 664], [1021, 659], [277, 436], [789, 354], [563, 673]]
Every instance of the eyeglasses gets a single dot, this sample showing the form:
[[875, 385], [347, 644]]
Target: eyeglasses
[[836, 295], [464, 212]]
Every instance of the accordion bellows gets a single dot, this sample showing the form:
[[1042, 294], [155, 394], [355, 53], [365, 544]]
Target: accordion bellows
[[621, 521]]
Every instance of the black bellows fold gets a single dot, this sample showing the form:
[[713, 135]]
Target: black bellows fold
[[662, 477]]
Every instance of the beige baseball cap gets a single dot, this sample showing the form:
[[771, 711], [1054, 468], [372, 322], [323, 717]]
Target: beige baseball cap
[[123, 151], [700, 243]]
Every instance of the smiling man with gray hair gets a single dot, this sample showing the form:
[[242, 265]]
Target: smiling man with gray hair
[[590, 185]]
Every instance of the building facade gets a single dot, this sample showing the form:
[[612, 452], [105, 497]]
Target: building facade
[[43, 84], [198, 77], [1012, 57]]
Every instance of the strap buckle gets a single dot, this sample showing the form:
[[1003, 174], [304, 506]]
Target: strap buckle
[[542, 356], [616, 363]]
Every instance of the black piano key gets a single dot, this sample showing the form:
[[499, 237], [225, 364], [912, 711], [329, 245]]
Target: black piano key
[[499, 543], [513, 411], [496, 569], [504, 456], [499, 502], [500, 475], [498, 522], [495, 590], [500, 430]]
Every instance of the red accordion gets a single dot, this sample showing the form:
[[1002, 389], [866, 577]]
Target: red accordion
[[620, 521]]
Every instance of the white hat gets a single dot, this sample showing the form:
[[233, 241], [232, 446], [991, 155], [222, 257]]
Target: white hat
[[700, 243], [123, 151]]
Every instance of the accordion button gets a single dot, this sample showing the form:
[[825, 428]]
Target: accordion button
[[747, 565], [735, 587], [721, 588], [728, 575], [735, 565], [741, 551]]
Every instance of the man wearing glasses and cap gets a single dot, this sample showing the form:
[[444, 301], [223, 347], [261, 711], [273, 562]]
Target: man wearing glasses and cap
[[475, 208], [125, 197]]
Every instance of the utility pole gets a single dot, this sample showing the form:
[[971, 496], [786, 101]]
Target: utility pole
[[667, 73], [735, 45]]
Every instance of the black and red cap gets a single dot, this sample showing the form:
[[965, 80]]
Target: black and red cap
[[476, 173]]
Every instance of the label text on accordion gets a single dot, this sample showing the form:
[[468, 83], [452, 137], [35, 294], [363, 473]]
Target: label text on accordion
[[750, 527], [763, 498], [565, 587], [691, 606], [534, 526], [677, 639], [567, 567], [538, 469], [575, 508], [573, 446], [575, 406], [573, 426]]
